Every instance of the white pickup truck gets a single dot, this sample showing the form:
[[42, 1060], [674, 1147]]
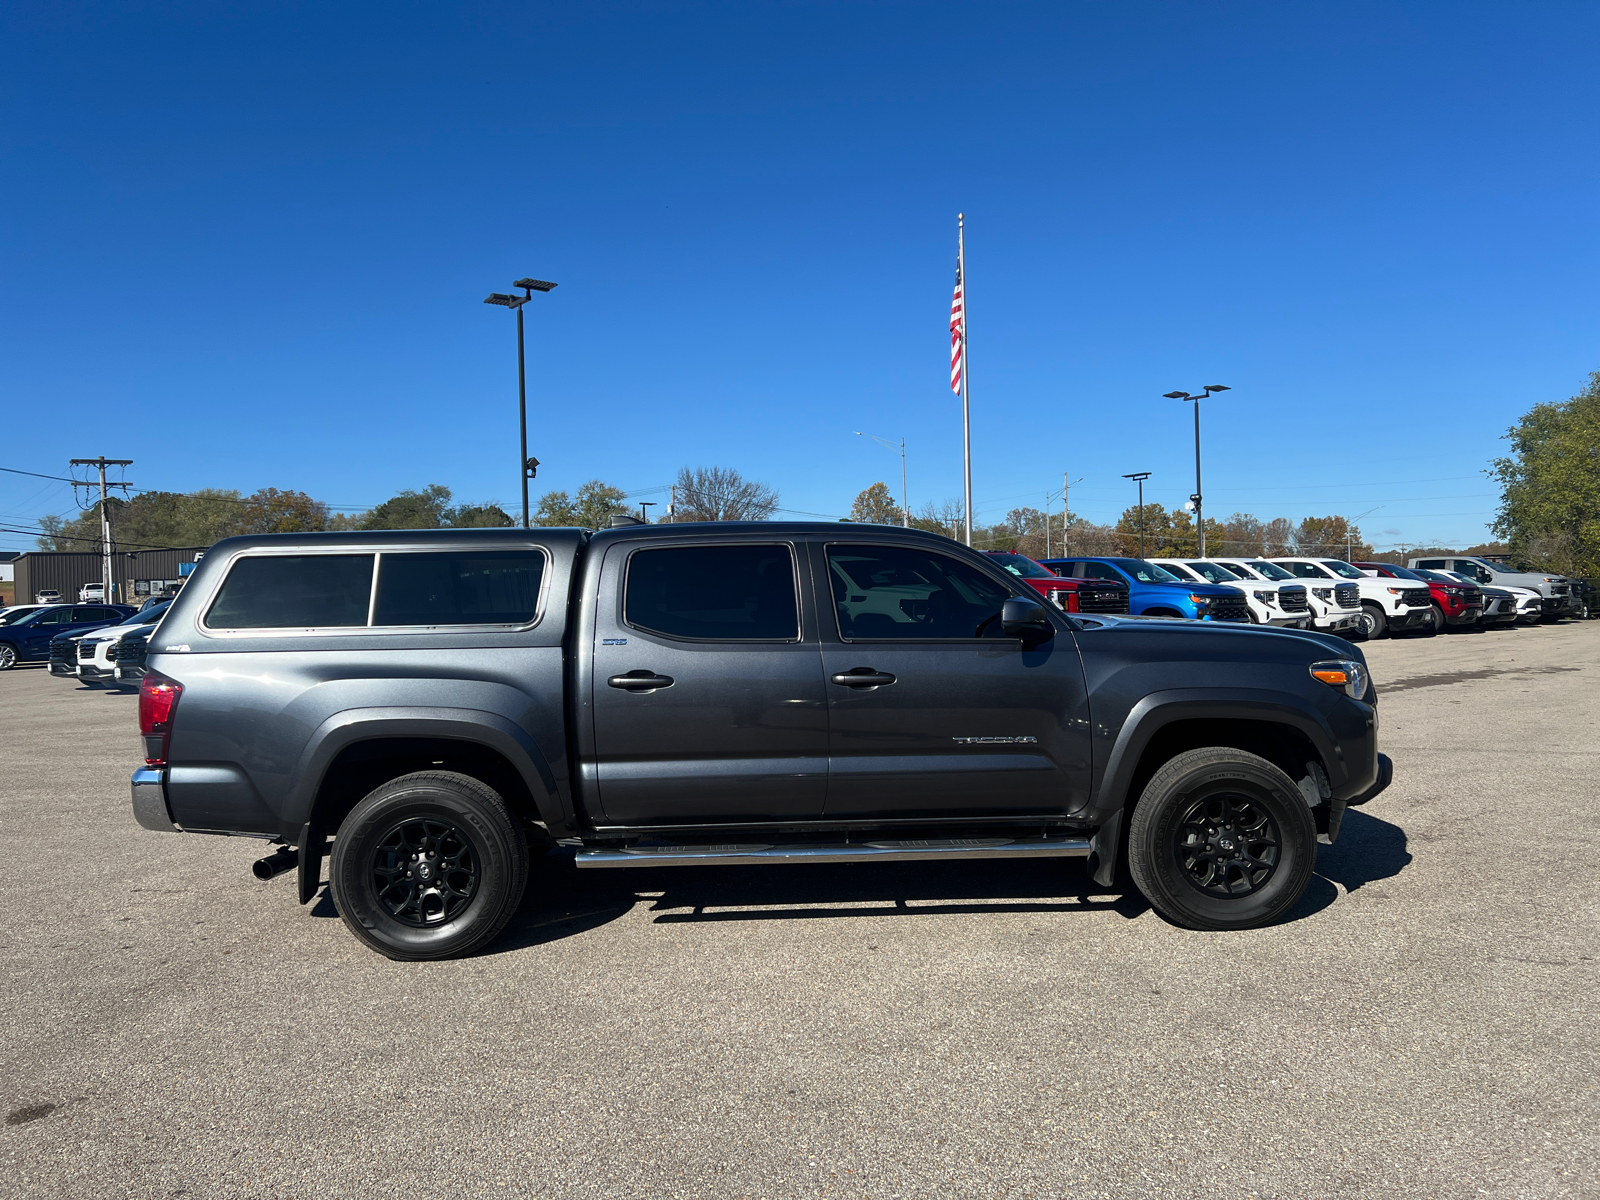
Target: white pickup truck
[[1272, 601], [1332, 610], [1385, 607]]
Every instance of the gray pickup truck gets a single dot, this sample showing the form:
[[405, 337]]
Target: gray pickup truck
[[431, 709]]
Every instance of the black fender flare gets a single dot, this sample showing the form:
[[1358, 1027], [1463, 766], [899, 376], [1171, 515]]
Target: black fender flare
[[1159, 709], [352, 725]]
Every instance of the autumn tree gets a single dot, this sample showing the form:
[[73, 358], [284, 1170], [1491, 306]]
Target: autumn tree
[[947, 518], [876, 506], [1330, 537]]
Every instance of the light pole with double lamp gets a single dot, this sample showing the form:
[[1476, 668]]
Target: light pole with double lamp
[[529, 286], [1199, 514], [1139, 477]]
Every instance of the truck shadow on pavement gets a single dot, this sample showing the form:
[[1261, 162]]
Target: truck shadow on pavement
[[563, 901], [1369, 849]]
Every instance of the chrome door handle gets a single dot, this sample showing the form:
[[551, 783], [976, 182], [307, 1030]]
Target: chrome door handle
[[640, 681], [863, 677]]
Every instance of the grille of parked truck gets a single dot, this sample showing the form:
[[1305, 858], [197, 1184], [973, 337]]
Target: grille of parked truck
[[427, 710]]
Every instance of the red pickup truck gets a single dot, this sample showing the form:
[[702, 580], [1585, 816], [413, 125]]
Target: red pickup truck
[[1454, 603], [1067, 592]]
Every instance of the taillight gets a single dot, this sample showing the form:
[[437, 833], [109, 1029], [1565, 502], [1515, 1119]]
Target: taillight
[[158, 704]]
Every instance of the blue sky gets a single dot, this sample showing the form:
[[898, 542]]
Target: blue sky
[[247, 245]]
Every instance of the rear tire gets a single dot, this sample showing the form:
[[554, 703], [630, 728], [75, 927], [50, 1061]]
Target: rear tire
[[430, 865], [1373, 622], [1222, 839]]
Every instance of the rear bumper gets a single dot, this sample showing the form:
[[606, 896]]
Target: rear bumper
[[150, 801]]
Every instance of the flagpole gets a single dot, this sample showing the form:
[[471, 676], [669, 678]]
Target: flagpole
[[966, 411]]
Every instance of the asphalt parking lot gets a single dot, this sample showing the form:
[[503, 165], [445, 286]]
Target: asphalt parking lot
[[1424, 1025]]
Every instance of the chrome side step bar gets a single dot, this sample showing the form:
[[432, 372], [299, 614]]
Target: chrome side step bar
[[904, 850]]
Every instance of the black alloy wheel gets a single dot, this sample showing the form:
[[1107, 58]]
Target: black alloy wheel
[[429, 865], [1227, 844], [1222, 839], [425, 872]]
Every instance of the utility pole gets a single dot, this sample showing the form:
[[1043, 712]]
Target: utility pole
[[672, 509], [106, 585], [1066, 513]]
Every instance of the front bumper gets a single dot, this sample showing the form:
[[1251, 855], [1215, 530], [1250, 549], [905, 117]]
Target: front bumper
[[1467, 616], [150, 800], [1411, 618], [1337, 621], [1561, 606], [63, 670], [91, 671]]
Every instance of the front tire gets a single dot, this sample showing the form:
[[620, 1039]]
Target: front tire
[[430, 865], [8, 656], [1373, 623], [1222, 839]]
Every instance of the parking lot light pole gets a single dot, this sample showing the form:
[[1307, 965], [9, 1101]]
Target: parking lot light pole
[[1139, 477], [529, 287], [1199, 511], [900, 449]]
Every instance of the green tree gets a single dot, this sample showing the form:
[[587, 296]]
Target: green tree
[[590, 509], [411, 510], [1157, 528], [478, 516], [1550, 485], [876, 506]]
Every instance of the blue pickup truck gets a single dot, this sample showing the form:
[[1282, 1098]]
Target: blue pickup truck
[[1156, 592]]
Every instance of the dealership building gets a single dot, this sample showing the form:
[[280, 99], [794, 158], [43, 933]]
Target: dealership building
[[135, 574]]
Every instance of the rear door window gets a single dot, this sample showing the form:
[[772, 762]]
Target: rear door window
[[459, 588], [1306, 570], [294, 591], [713, 593]]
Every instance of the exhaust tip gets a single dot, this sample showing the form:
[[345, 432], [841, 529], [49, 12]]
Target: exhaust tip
[[283, 859]]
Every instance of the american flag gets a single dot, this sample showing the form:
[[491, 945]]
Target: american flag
[[958, 329]]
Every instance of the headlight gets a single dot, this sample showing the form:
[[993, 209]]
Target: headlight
[[1322, 593], [1397, 591], [1201, 601], [1344, 673], [1265, 597]]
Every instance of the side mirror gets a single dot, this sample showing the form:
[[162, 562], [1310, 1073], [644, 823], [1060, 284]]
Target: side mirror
[[1026, 619]]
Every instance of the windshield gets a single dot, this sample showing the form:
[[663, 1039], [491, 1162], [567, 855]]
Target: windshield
[[1433, 576], [1181, 571], [1214, 572], [1145, 572], [148, 616], [1401, 573], [1342, 569], [1021, 564], [33, 616], [1269, 570]]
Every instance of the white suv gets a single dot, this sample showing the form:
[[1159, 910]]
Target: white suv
[[1332, 611], [1384, 606], [1272, 601]]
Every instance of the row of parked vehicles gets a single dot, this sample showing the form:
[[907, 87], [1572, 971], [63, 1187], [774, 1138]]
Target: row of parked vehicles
[[95, 643], [1357, 600]]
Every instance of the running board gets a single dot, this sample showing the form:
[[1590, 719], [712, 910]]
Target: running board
[[904, 850]]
